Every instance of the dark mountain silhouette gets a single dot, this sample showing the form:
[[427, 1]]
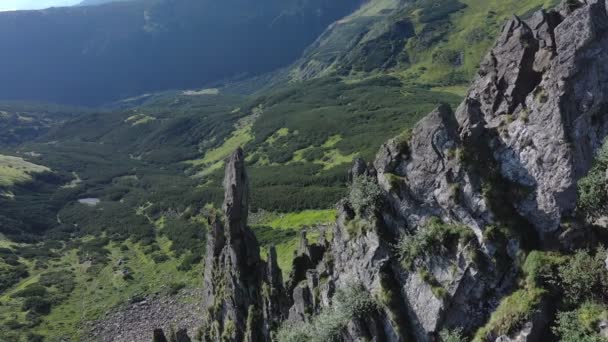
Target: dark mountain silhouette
[[92, 55]]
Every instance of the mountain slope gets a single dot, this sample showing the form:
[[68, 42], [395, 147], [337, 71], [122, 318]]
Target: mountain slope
[[464, 228], [97, 2], [432, 43], [124, 49]]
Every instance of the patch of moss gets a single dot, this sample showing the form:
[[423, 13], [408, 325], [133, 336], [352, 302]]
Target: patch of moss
[[395, 181], [454, 191], [229, 333], [358, 226], [512, 312], [438, 290]]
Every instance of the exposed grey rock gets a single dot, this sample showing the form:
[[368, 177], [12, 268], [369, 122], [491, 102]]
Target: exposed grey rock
[[359, 168], [159, 336], [368, 328], [233, 268], [433, 180], [275, 300], [603, 327], [244, 296], [543, 90], [137, 322], [302, 304], [306, 257], [182, 336]]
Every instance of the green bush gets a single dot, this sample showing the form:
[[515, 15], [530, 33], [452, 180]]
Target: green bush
[[435, 10], [32, 290], [12, 275], [434, 237], [229, 333], [438, 290], [268, 236], [446, 57], [174, 288], [452, 336], [592, 191], [31, 337], [159, 258], [350, 303], [541, 268], [365, 195], [185, 235], [37, 304], [313, 154], [14, 324], [358, 226], [189, 261], [584, 277], [581, 325], [63, 281], [94, 251], [115, 219], [290, 198]]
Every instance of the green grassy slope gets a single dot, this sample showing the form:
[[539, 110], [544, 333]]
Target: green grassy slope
[[94, 286], [447, 50], [22, 122], [17, 170], [430, 43]]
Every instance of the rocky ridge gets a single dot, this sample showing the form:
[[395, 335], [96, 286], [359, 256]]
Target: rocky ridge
[[244, 296], [434, 227]]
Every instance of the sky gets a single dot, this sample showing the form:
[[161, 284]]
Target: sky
[[11, 5]]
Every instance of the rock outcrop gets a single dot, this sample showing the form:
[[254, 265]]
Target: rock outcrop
[[244, 296], [543, 91], [503, 166], [434, 228]]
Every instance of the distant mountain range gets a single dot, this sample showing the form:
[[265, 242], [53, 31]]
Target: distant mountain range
[[95, 55], [97, 2]]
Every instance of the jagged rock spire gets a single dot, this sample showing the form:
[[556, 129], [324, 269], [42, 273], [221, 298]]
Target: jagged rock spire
[[235, 276], [274, 275], [236, 193], [232, 270], [275, 298]]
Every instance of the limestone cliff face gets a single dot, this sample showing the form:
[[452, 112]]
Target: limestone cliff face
[[472, 187]]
